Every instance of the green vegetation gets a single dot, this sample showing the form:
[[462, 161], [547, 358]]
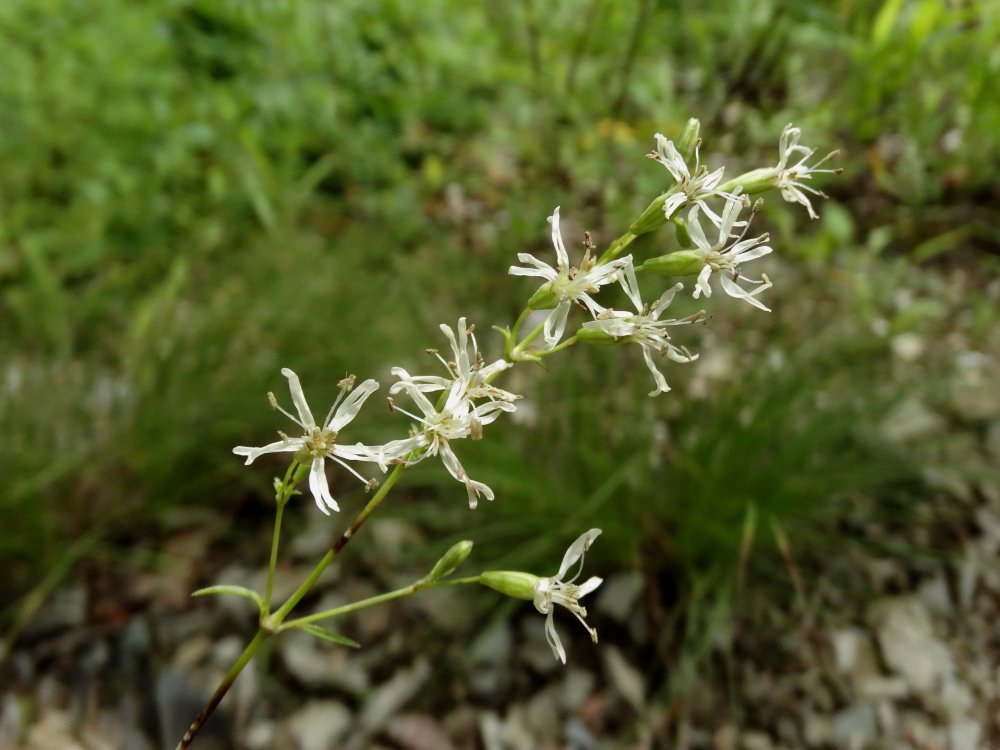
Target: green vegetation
[[195, 194]]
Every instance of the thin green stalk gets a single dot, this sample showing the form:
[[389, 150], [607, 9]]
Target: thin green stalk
[[282, 496], [518, 350], [272, 564], [222, 689], [379, 599], [616, 247], [559, 347], [515, 331], [274, 621]]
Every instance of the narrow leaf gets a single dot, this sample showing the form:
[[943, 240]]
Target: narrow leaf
[[235, 590], [329, 635]]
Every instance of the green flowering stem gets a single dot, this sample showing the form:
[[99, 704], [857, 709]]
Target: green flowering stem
[[510, 337], [515, 331], [283, 493], [616, 247], [222, 689], [272, 563], [559, 347], [273, 622], [517, 353], [374, 600]]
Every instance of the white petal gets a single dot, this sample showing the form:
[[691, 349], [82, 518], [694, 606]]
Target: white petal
[[553, 638], [476, 489], [695, 231], [793, 195], [664, 301], [350, 406], [540, 268], [298, 398], [631, 285], [672, 203], [671, 158], [661, 382], [451, 462], [416, 393], [398, 450], [555, 324], [357, 452], [319, 487], [589, 585], [494, 367], [576, 551], [282, 446], [701, 286], [562, 257], [752, 254], [712, 179], [730, 213], [488, 412], [789, 138], [735, 290]]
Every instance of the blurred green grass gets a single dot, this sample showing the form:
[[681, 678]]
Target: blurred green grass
[[195, 194]]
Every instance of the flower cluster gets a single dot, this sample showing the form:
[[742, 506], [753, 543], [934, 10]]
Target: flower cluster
[[719, 253], [461, 401]]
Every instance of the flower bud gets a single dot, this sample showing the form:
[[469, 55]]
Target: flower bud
[[592, 335], [689, 138], [511, 582], [683, 237], [755, 181], [450, 560], [652, 218], [679, 263], [545, 298]]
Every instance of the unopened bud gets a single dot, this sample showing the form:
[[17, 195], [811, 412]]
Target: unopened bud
[[511, 582], [679, 263], [652, 218], [450, 560], [545, 298], [683, 236], [690, 139], [755, 181], [594, 335]]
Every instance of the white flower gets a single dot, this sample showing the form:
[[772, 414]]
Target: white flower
[[790, 177], [566, 593], [725, 261], [457, 419], [569, 284], [649, 332], [467, 367], [320, 442], [691, 187]]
